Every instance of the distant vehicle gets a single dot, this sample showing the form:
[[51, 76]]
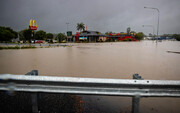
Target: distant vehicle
[[38, 41]]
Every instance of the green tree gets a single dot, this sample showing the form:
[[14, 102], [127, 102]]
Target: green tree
[[21, 37], [40, 35], [7, 34], [49, 36], [13, 32], [60, 37], [27, 35], [177, 37], [80, 27], [139, 36]]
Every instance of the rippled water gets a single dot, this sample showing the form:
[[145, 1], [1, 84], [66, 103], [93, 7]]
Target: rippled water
[[104, 60]]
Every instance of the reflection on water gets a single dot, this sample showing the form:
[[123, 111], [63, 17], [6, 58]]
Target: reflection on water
[[102, 60]]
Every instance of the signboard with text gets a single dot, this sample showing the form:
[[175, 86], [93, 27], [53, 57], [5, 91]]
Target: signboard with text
[[82, 38]]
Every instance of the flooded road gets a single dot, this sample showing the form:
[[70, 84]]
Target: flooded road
[[104, 60]]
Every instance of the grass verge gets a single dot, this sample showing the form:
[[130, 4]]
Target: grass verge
[[17, 47]]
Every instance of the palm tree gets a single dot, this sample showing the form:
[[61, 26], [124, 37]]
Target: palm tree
[[80, 26]]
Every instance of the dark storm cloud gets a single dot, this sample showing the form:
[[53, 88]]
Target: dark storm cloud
[[101, 15]]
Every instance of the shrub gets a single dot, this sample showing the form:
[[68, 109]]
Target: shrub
[[177, 37], [127, 39], [139, 36], [17, 47]]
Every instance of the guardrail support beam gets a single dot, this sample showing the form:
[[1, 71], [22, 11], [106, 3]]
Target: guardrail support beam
[[136, 99], [135, 104], [34, 96]]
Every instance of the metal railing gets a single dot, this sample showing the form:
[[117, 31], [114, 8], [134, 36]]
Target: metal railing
[[136, 87]]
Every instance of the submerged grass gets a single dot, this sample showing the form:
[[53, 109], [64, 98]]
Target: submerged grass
[[27, 47], [31, 47], [16, 47]]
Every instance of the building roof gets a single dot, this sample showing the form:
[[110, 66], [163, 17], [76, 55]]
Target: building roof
[[90, 33]]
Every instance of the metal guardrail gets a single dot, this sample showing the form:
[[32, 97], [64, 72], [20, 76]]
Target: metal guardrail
[[135, 88], [94, 86]]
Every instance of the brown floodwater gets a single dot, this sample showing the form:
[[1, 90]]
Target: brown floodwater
[[118, 60]]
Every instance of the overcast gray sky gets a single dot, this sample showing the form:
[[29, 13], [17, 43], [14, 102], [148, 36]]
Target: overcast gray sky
[[100, 15]]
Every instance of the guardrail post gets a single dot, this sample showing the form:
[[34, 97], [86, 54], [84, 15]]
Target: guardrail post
[[34, 96], [136, 99], [135, 104]]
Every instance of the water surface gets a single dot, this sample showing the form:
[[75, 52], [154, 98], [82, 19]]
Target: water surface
[[118, 60]]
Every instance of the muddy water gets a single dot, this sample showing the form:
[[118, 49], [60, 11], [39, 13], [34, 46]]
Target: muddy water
[[104, 60]]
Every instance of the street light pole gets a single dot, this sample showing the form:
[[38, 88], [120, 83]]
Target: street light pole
[[67, 30], [149, 26], [158, 18]]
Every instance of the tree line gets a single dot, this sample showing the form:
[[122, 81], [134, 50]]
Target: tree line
[[177, 37], [7, 34]]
